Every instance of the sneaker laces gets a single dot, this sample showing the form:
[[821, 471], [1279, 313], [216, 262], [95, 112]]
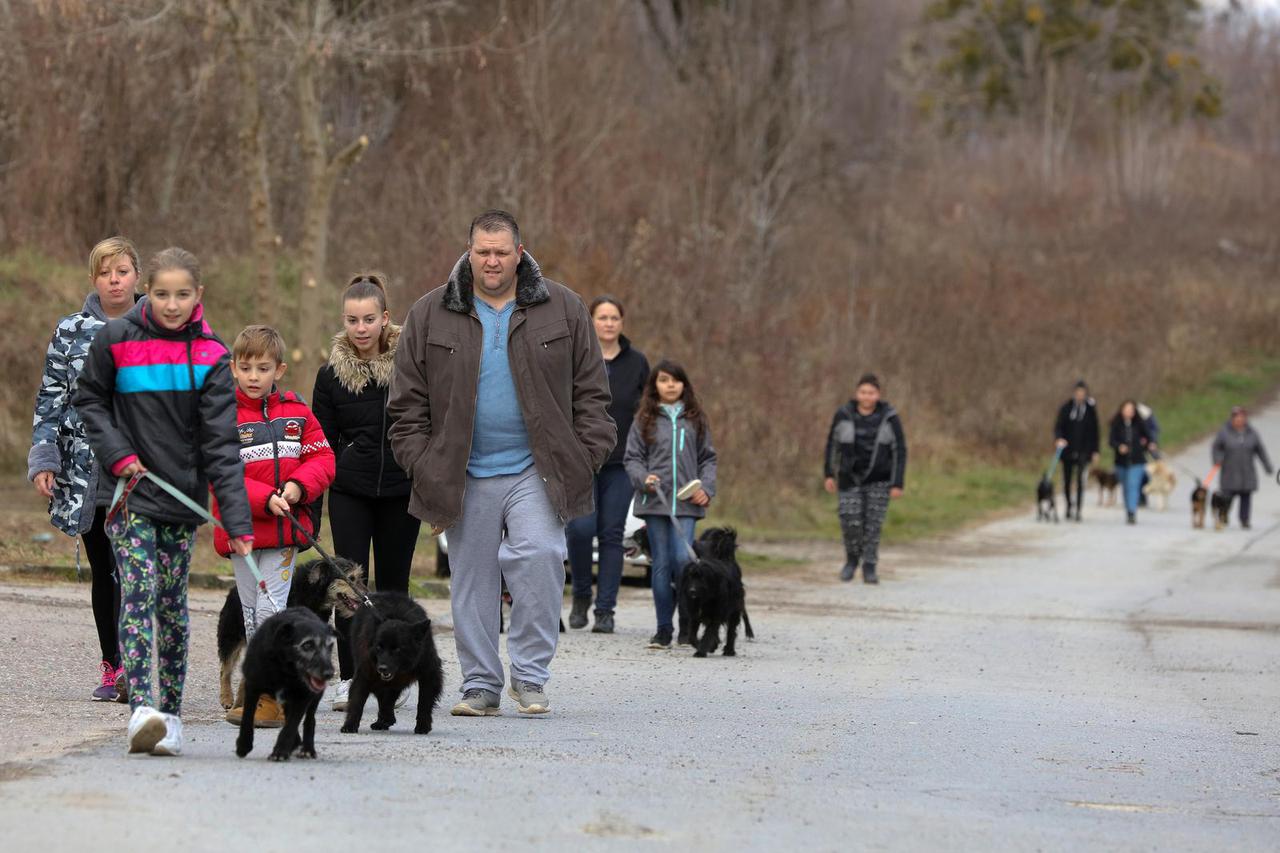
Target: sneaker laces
[[474, 693], [108, 675], [530, 687]]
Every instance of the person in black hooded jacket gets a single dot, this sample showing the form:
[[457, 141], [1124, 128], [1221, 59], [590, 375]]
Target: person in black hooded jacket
[[369, 498], [866, 462], [1075, 433]]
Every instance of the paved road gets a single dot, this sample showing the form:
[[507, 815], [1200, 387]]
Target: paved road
[[1021, 686]]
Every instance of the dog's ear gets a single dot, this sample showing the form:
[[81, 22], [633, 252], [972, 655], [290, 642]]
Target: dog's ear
[[285, 635], [420, 630]]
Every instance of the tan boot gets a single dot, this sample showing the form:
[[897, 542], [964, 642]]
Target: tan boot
[[235, 715], [269, 714]]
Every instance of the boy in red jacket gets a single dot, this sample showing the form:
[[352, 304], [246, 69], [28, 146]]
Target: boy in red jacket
[[287, 463]]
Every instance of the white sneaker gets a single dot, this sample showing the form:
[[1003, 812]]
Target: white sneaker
[[146, 728], [340, 692], [171, 743]]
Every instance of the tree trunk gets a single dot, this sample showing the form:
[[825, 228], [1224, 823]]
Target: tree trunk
[[253, 162]]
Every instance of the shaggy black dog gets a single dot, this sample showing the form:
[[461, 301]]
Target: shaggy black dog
[[1199, 498], [711, 593], [392, 646], [1046, 506], [291, 658], [321, 586], [1221, 509]]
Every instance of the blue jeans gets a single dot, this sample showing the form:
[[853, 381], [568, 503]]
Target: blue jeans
[[1130, 477], [669, 560], [607, 523]]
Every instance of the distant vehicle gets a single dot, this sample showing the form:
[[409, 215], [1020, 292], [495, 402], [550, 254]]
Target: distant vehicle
[[633, 554]]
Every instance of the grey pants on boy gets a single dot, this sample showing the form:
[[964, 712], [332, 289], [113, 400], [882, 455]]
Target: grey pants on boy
[[508, 529]]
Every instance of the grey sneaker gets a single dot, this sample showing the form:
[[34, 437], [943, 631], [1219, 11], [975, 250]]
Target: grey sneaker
[[846, 573], [529, 697], [578, 615], [869, 573], [477, 702], [604, 622]]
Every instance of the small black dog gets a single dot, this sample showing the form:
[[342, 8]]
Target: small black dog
[[711, 593], [1221, 509], [1199, 498], [290, 657], [321, 586], [392, 646], [1046, 506]]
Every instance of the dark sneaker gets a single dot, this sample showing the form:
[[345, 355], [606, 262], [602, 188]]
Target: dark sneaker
[[578, 615], [106, 691], [869, 573], [1131, 519], [529, 698], [477, 702], [682, 638], [846, 573], [661, 640], [604, 622]]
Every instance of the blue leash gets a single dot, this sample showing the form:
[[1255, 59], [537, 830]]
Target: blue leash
[[1053, 466], [121, 497]]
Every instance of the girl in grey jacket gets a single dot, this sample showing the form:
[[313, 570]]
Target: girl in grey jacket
[[61, 463], [1234, 449], [669, 446]]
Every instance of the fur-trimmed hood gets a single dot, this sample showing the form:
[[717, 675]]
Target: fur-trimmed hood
[[530, 288], [354, 372]]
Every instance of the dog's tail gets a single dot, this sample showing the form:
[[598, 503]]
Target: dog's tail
[[746, 624]]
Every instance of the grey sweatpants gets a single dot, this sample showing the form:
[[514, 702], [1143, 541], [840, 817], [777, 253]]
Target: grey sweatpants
[[276, 566], [508, 529], [862, 511]]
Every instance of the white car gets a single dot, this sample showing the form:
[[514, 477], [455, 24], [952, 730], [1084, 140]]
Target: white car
[[633, 554]]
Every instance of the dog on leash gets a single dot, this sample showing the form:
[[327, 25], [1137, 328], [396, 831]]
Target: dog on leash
[[1107, 483], [1199, 498], [711, 594], [1221, 503], [290, 657], [393, 648], [1161, 482], [1046, 506], [321, 586]]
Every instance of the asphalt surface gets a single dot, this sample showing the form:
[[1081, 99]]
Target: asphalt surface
[[1022, 686]]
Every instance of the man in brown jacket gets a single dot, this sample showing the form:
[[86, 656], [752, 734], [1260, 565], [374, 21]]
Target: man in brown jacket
[[499, 404]]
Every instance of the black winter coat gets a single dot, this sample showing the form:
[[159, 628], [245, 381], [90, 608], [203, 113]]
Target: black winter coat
[[1134, 436], [1080, 432], [628, 373], [886, 461], [350, 401], [166, 398]]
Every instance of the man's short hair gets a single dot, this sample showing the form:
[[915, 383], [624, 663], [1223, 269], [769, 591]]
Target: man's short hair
[[495, 220], [258, 342]]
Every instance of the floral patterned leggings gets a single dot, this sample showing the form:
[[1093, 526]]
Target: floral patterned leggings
[[152, 559]]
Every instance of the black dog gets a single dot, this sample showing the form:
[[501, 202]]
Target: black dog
[[290, 657], [1199, 497], [711, 594], [321, 586], [1221, 509], [1046, 506], [392, 646]]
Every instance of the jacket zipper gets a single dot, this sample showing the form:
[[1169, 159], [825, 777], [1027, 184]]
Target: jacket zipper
[[675, 471], [275, 458], [475, 399], [382, 439]]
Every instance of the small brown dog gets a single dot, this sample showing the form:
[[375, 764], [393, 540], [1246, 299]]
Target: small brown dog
[[1107, 483], [1199, 498], [1162, 482]]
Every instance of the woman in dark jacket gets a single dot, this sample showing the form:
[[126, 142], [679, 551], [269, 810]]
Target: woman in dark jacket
[[369, 498], [628, 371], [1131, 441], [866, 462], [1234, 448], [1075, 433]]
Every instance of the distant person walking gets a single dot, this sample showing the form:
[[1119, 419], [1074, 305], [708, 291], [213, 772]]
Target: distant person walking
[[1131, 442], [1075, 433], [628, 370], [668, 448], [499, 403], [866, 464], [369, 498], [1235, 447], [61, 463]]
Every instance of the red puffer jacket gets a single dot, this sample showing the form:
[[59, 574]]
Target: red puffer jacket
[[280, 441]]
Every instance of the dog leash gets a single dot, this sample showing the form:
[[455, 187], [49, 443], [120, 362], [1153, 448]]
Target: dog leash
[[1053, 466], [675, 526], [311, 540], [121, 498]]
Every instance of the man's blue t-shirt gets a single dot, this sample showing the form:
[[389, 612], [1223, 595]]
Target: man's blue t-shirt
[[499, 439]]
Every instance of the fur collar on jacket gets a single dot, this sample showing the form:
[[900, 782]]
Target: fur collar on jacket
[[354, 372], [530, 288]]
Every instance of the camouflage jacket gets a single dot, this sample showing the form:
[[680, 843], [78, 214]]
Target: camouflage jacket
[[58, 439]]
